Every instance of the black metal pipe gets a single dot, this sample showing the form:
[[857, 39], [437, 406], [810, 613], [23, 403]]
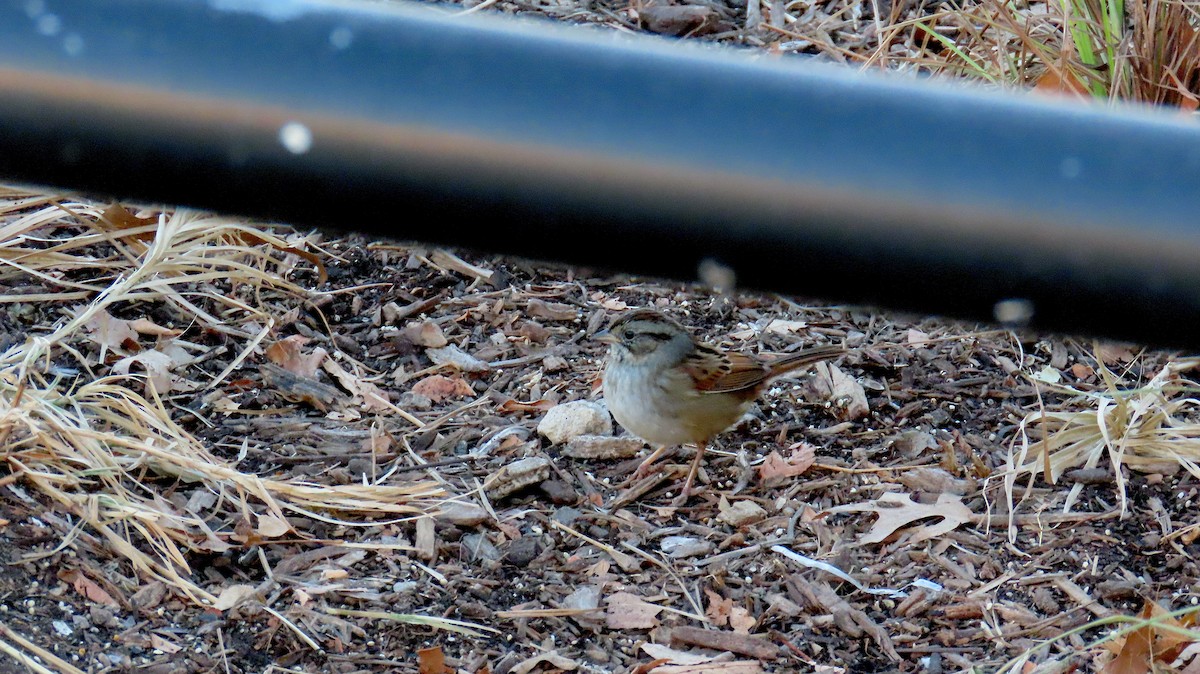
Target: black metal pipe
[[614, 151]]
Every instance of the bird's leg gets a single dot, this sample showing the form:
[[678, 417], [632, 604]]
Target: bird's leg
[[643, 468], [691, 476]]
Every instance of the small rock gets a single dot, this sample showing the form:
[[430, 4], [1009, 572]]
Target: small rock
[[602, 447], [678, 547], [573, 419], [452, 355], [414, 401], [678, 20], [522, 551], [478, 548], [517, 476], [566, 515], [559, 492], [462, 514], [740, 513], [554, 363]]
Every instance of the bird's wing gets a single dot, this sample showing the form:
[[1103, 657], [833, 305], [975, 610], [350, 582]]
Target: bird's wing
[[716, 372]]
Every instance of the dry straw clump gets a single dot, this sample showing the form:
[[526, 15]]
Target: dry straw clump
[[1154, 428], [82, 435]]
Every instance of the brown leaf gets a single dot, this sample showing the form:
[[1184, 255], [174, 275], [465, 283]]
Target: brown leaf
[[896, 511], [1055, 83], [438, 387], [272, 526], [168, 647], [551, 311], [146, 326], [512, 406], [628, 612], [775, 470], [1150, 645], [87, 587], [289, 354], [740, 620], [425, 333], [117, 217], [432, 661], [718, 608]]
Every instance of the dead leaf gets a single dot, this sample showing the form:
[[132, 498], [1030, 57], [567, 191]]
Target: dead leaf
[[551, 311], [289, 354], [160, 643], [432, 661], [1151, 645], [145, 326], [116, 217], [452, 355], [374, 399], [847, 395], [552, 658], [512, 405], [1082, 371], [718, 608], [1054, 82], [628, 612], [674, 657], [726, 667], [775, 470], [157, 366], [917, 338], [779, 326], [112, 334], [613, 304], [272, 526], [233, 595], [425, 333], [87, 588], [896, 510], [740, 620], [1113, 353], [438, 388], [739, 513]]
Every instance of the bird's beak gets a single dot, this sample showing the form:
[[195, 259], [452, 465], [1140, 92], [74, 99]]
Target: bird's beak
[[606, 337]]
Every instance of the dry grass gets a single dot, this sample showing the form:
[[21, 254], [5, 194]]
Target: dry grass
[[107, 455], [1144, 52], [1154, 428]]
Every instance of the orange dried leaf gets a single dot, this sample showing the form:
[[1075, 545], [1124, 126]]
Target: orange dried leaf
[[432, 661], [117, 217], [776, 470], [513, 405], [87, 587], [289, 354], [1056, 83], [439, 387], [719, 608]]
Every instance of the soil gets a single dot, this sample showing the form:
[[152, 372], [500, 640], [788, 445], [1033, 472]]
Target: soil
[[943, 405]]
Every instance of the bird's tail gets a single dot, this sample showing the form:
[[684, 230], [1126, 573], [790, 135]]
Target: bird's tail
[[799, 359]]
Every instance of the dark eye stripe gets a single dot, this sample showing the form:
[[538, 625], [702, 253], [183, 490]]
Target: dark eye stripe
[[660, 336]]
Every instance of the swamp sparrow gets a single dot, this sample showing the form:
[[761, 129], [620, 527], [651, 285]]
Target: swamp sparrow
[[668, 388]]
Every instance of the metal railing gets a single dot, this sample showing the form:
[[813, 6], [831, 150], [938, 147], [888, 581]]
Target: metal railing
[[624, 152]]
